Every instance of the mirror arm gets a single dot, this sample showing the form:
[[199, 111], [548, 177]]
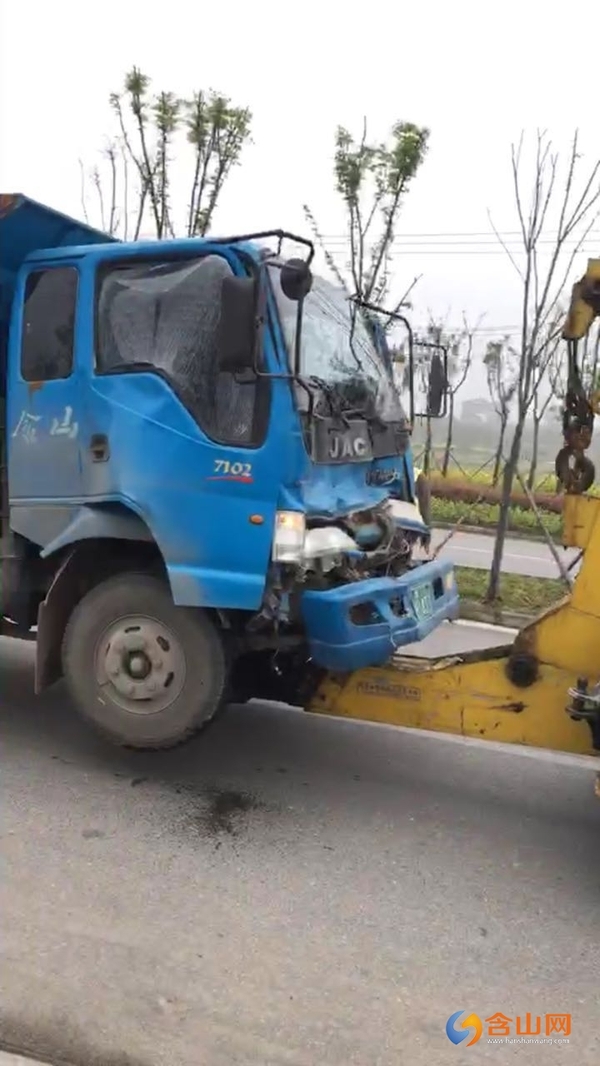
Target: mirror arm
[[259, 321], [298, 337], [411, 363]]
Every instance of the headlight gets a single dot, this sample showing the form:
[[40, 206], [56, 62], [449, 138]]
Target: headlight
[[327, 541], [288, 541], [449, 581]]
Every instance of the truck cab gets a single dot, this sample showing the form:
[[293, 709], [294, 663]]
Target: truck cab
[[207, 485]]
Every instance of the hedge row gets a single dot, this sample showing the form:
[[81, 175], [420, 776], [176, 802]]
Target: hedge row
[[471, 492]]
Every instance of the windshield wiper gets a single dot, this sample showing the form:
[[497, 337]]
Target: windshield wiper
[[339, 405], [331, 395], [346, 409], [369, 415]]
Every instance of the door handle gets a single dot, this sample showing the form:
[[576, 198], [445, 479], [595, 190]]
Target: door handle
[[99, 448]]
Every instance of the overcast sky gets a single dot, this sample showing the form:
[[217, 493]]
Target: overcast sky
[[476, 73]]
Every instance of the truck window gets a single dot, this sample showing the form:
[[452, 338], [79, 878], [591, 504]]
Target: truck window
[[163, 315], [48, 324]]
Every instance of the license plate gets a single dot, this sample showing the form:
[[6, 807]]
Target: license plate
[[423, 601]]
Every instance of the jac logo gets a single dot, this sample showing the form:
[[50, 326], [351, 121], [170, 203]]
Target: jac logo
[[347, 446]]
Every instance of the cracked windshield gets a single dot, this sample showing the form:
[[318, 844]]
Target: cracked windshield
[[339, 350]]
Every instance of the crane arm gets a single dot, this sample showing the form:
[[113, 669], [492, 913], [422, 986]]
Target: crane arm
[[575, 472], [585, 304]]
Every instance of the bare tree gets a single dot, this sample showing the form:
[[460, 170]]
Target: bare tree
[[499, 362], [372, 180], [460, 358], [109, 178], [543, 265], [151, 128], [544, 393]]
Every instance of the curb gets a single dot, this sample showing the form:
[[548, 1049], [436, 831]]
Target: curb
[[486, 531], [472, 611]]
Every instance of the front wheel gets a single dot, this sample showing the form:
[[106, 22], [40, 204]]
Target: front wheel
[[144, 672]]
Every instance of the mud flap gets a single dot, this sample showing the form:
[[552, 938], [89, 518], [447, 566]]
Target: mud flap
[[53, 615]]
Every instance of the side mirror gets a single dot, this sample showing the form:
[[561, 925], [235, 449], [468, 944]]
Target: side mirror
[[438, 385], [296, 279], [236, 337]]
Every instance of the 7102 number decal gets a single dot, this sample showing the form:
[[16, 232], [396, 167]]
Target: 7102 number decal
[[224, 470]]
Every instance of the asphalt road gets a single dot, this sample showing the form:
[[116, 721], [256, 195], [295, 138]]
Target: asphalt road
[[520, 556], [288, 890]]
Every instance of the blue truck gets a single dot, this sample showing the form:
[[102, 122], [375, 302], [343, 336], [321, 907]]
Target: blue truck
[[206, 479]]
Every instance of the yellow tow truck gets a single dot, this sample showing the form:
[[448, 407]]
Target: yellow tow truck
[[543, 690]]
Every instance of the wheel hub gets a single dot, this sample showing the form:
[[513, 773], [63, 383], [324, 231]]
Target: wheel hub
[[141, 665], [138, 665]]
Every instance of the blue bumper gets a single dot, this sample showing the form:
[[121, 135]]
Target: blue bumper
[[364, 623]]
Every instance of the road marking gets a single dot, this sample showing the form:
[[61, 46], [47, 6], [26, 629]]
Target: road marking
[[8, 1059], [465, 548], [562, 758], [489, 627], [588, 763], [507, 555]]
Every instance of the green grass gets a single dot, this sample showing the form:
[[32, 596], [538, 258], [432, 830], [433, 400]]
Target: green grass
[[480, 473], [486, 515], [545, 480], [517, 592]]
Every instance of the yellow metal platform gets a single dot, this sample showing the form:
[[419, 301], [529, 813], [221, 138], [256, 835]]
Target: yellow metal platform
[[473, 694]]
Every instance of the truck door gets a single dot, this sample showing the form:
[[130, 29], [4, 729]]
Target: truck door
[[181, 444], [43, 407]]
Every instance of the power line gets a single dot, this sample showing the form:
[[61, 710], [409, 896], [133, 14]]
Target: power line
[[421, 251], [493, 247], [493, 331], [464, 237], [451, 245], [480, 329]]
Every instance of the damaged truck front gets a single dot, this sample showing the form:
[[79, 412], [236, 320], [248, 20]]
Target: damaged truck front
[[209, 492]]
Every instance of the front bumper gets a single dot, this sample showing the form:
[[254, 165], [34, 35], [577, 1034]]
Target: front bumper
[[364, 623]]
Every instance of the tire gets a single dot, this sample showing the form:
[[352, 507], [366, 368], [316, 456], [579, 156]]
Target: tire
[[145, 673], [577, 476]]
